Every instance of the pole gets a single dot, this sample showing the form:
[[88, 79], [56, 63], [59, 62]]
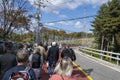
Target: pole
[[38, 36], [84, 28]]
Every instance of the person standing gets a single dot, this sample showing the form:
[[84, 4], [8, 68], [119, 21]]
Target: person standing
[[46, 51], [8, 59], [52, 58], [42, 53], [69, 52], [22, 60], [35, 62]]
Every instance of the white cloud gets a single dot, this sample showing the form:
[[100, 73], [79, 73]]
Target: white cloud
[[67, 23], [56, 5], [62, 16], [96, 3], [50, 24], [78, 24], [90, 32]]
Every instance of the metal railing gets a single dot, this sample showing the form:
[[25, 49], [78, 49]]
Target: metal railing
[[102, 54]]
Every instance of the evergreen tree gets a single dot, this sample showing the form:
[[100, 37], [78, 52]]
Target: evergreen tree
[[107, 26]]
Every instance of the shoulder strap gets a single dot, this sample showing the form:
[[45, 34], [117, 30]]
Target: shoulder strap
[[27, 70], [62, 77]]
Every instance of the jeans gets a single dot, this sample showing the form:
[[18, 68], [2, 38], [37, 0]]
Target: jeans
[[39, 74], [51, 67]]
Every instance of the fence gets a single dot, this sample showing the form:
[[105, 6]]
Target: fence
[[102, 54]]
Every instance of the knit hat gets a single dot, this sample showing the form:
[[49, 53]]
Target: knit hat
[[53, 43]]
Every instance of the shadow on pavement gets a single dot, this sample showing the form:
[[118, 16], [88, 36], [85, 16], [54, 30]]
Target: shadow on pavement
[[88, 71]]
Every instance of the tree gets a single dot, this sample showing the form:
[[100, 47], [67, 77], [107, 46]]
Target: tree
[[106, 24], [62, 34], [13, 16], [45, 34]]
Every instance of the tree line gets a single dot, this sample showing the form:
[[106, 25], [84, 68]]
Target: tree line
[[13, 16], [49, 35], [107, 26]]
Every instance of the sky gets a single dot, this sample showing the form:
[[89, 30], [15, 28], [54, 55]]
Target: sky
[[58, 10]]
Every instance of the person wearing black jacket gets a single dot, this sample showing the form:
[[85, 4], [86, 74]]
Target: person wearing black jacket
[[52, 58], [69, 52], [8, 59]]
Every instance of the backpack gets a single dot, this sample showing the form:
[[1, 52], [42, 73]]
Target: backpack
[[72, 54], [21, 75], [36, 60], [65, 52], [69, 53]]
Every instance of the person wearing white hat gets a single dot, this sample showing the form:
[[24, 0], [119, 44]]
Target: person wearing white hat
[[52, 58]]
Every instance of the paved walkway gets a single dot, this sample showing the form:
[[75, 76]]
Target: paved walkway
[[77, 73]]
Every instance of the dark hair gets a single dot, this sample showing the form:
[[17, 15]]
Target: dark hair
[[40, 43], [8, 45]]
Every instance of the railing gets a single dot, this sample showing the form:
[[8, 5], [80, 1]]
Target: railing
[[102, 54]]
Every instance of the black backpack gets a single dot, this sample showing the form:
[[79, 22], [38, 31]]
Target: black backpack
[[72, 54], [36, 60], [69, 53], [65, 52]]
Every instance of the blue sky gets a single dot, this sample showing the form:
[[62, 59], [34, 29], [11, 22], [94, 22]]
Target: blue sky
[[56, 10]]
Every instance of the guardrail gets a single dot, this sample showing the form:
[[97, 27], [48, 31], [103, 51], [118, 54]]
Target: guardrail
[[102, 54]]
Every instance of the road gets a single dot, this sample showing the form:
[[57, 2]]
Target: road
[[97, 69]]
